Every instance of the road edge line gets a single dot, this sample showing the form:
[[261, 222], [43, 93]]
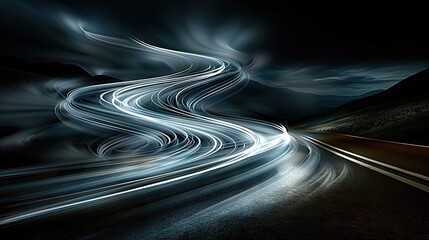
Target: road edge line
[[384, 172]]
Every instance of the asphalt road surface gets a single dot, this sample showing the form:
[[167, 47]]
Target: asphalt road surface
[[323, 191], [150, 159]]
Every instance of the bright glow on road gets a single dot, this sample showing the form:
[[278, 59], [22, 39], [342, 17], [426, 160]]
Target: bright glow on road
[[156, 137], [154, 133]]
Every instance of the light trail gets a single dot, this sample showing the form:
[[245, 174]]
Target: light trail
[[157, 137], [154, 134]]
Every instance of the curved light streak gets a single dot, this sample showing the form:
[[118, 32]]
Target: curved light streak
[[153, 134], [157, 137]]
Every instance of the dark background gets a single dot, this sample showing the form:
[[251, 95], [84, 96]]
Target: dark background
[[290, 31], [321, 40]]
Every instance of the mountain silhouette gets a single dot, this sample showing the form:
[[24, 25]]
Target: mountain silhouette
[[399, 113], [281, 104]]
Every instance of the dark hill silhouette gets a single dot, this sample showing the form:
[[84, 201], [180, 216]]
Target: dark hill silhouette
[[414, 87], [399, 113], [281, 104], [14, 70], [11, 64]]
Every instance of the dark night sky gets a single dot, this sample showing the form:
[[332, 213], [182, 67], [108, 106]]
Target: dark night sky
[[326, 49]]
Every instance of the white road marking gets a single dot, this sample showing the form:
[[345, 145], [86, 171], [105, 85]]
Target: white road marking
[[380, 140], [379, 170]]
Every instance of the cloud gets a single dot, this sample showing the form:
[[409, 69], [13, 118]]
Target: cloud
[[50, 31], [347, 80]]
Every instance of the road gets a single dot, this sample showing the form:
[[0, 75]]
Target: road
[[149, 159], [320, 193]]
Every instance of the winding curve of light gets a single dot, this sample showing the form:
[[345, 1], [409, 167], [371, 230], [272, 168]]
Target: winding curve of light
[[156, 134]]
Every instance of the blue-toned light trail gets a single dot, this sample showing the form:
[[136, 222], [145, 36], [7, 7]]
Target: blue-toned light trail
[[156, 135]]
